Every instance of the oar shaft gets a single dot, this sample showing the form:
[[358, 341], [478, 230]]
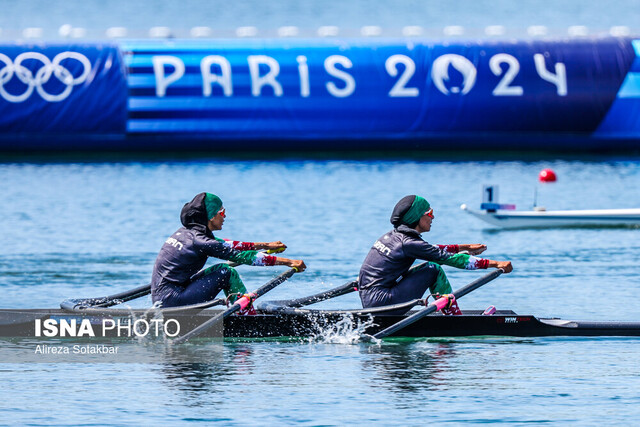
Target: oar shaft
[[107, 301], [322, 296], [274, 282], [478, 283], [238, 305], [83, 304], [431, 308], [437, 305]]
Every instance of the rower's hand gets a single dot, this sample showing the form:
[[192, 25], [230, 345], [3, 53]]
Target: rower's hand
[[298, 264], [505, 266], [475, 248], [275, 247]]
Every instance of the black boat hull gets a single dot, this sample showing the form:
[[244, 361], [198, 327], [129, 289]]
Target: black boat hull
[[22, 323]]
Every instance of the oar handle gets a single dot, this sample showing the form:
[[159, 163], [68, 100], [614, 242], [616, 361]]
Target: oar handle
[[275, 251], [437, 305]]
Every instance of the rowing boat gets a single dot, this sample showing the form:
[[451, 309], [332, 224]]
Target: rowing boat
[[91, 317], [309, 323], [560, 218]]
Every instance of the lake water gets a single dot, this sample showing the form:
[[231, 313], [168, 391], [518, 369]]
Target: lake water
[[96, 16], [92, 228]]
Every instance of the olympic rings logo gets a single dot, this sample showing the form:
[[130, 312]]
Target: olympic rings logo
[[42, 75]]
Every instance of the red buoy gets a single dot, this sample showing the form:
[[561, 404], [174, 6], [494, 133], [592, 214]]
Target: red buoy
[[547, 175]]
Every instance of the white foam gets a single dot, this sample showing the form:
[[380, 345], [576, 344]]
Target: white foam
[[345, 331]]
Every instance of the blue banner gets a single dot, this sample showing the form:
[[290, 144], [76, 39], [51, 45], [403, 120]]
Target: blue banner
[[623, 118], [62, 89], [372, 88], [354, 93]]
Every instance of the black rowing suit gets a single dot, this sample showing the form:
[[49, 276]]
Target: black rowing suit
[[385, 278]]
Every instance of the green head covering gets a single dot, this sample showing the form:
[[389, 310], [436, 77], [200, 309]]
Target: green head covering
[[417, 209], [213, 204]]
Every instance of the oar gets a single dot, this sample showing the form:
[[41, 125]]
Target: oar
[[82, 304], [438, 304], [312, 299], [104, 302], [240, 304], [274, 306]]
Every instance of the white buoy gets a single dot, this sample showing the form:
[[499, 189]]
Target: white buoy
[[620, 31], [453, 30], [371, 31], [32, 33], [200, 32], [65, 30], [246, 31], [288, 31], [160, 32], [537, 30], [578, 31], [412, 31], [116, 32], [494, 30], [328, 31]]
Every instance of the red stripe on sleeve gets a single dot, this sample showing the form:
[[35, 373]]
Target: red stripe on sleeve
[[247, 246], [241, 246], [452, 249]]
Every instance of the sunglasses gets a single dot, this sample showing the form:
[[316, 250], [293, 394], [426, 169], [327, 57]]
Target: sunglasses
[[222, 212], [429, 213]]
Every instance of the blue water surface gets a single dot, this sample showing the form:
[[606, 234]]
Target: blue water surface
[[95, 16], [90, 229]]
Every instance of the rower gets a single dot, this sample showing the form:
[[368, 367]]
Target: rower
[[385, 276], [174, 281]]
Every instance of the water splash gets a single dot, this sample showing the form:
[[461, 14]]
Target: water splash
[[151, 314], [345, 331]]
